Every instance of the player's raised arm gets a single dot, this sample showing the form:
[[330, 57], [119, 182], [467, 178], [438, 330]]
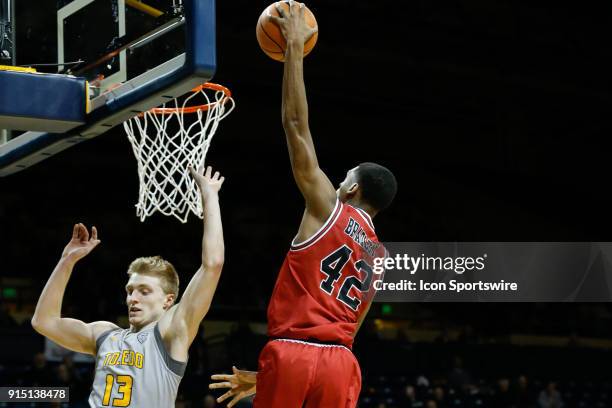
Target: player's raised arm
[[70, 333], [181, 326], [316, 188]]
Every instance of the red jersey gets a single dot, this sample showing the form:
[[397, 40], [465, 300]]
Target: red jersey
[[325, 283]]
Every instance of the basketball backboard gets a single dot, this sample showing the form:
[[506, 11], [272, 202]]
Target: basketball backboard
[[136, 55]]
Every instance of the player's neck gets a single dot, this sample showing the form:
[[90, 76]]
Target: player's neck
[[365, 207], [140, 327]]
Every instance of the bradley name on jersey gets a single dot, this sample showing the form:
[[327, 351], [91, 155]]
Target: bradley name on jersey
[[357, 234]]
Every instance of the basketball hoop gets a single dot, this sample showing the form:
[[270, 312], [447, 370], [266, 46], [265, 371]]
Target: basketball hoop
[[166, 144]]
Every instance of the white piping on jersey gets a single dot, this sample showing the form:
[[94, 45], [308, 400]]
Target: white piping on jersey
[[313, 344], [334, 214], [366, 217]]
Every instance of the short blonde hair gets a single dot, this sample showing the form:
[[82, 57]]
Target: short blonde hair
[[158, 267]]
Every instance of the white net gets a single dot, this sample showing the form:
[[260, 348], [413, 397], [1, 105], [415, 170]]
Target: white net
[[166, 141]]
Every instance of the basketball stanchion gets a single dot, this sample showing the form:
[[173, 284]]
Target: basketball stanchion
[[169, 139]]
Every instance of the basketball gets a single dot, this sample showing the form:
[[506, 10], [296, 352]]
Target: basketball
[[270, 37]]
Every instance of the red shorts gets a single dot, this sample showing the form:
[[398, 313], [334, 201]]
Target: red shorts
[[296, 374]]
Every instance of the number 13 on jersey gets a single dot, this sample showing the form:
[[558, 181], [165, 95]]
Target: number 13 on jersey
[[125, 391]]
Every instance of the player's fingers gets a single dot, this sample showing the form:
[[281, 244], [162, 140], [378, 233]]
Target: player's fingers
[[281, 10], [225, 396], [235, 400], [75, 231], [226, 377], [208, 171], [221, 180], [79, 231], [276, 20], [216, 176], [220, 385], [94, 233], [84, 233], [311, 33]]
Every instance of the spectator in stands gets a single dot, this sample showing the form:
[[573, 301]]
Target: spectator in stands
[[458, 377], [523, 396], [501, 396], [68, 362], [6, 320], [82, 377], [180, 402], [550, 397], [439, 397], [39, 374], [422, 386], [209, 401], [409, 398], [67, 376], [422, 381], [473, 396], [431, 404]]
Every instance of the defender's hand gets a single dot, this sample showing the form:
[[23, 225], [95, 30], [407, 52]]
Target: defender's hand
[[292, 23], [207, 182], [81, 243], [242, 384]]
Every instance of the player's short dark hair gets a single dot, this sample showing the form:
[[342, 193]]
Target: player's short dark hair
[[377, 183]]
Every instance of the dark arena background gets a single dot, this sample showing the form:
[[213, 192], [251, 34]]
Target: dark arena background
[[495, 118]]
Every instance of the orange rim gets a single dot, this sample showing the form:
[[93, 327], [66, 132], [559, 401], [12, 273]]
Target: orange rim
[[196, 108]]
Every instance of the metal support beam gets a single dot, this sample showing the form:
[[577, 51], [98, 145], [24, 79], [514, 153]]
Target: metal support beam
[[13, 31], [7, 32], [8, 50]]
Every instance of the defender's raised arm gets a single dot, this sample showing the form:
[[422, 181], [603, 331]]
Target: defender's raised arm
[[180, 326], [47, 320]]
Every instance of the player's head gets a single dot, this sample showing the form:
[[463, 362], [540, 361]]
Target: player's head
[[369, 184], [151, 289]]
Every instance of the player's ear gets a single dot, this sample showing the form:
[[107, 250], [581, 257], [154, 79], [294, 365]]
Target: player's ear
[[170, 298], [352, 190]]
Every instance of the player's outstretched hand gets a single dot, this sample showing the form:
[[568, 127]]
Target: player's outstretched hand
[[208, 182], [292, 23], [242, 384], [81, 243]]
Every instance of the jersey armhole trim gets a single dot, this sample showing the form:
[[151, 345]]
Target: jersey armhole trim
[[366, 217], [102, 337], [177, 367], [324, 228]]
